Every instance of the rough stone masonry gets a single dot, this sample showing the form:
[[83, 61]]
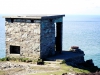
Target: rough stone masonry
[[31, 36]]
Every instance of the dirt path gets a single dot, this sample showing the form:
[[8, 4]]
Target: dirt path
[[21, 68]]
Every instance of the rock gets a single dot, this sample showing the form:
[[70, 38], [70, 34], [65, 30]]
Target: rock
[[89, 63], [74, 47], [40, 62], [69, 73], [64, 74]]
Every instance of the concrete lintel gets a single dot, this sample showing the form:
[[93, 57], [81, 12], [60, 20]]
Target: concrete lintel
[[35, 16]]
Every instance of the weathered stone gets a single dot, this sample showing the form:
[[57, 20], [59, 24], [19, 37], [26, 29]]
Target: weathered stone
[[35, 37], [74, 47]]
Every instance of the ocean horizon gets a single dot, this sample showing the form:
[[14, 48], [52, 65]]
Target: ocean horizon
[[78, 30]]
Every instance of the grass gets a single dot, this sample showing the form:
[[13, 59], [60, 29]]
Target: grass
[[72, 69], [63, 69], [43, 68], [19, 59], [49, 73]]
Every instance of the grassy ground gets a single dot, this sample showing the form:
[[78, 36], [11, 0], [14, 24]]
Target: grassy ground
[[2, 72], [11, 71], [53, 68], [63, 69]]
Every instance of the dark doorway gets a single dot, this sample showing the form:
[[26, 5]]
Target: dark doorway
[[59, 37], [14, 49]]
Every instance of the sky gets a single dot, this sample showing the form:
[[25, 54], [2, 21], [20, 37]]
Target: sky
[[72, 7]]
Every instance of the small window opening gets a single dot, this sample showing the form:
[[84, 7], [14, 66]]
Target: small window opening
[[32, 21], [12, 20], [37, 21], [8, 20], [28, 21], [23, 20], [14, 49]]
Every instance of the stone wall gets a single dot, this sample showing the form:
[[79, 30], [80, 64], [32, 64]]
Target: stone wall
[[36, 38], [24, 34], [47, 38]]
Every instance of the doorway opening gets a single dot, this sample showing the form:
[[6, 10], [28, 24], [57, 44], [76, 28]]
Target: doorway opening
[[58, 37], [14, 49]]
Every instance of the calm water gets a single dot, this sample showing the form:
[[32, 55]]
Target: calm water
[[2, 37], [82, 31]]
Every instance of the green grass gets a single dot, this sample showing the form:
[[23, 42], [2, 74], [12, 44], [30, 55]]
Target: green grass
[[49, 73], [72, 69], [18, 59], [63, 69]]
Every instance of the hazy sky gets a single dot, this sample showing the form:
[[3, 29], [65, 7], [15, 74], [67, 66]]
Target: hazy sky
[[89, 7]]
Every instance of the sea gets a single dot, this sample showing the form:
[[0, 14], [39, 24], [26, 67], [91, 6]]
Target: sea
[[78, 30]]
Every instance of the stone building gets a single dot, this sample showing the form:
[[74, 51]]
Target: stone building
[[33, 36]]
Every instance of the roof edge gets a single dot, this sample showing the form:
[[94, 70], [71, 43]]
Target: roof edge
[[34, 16]]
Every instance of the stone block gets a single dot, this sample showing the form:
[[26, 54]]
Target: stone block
[[22, 24], [24, 35]]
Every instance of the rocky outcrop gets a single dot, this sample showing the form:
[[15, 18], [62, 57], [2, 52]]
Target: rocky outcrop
[[75, 61], [86, 65], [78, 57], [79, 62], [76, 49]]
